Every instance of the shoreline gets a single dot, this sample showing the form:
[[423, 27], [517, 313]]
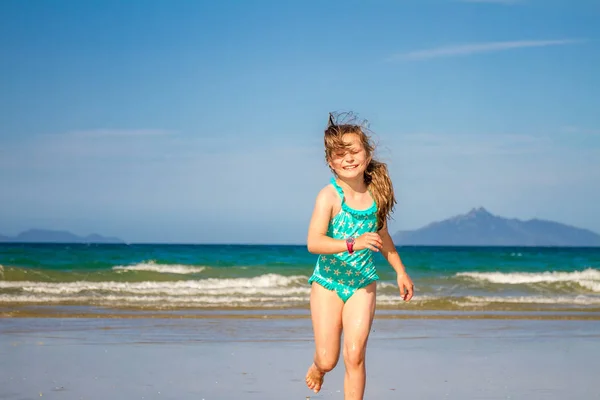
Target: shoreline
[[284, 314]]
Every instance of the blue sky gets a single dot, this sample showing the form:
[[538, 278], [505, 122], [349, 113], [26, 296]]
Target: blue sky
[[182, 121]]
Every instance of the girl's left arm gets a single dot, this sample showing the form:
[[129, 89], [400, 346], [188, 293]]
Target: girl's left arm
[[390, 253]]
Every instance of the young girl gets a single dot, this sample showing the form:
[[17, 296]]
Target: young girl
[[348, 224]]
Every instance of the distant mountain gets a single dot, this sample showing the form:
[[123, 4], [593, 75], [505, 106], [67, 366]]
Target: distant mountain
[[481, 228], [49, 236]]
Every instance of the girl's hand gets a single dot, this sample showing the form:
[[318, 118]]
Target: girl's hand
[[368, 240], [406, 286]]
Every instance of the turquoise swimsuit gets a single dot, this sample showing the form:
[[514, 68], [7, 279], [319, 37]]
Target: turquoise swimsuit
[[346, 273]]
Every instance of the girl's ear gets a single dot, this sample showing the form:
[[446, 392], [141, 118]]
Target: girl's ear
[[330, 164]]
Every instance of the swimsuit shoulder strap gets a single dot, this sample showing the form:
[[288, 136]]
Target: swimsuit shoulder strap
[[338, 188]]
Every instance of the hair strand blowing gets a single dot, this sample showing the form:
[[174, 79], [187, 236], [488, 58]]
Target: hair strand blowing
[[376, 174]]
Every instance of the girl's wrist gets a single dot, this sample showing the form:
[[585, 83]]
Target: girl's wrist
[[350, 245]]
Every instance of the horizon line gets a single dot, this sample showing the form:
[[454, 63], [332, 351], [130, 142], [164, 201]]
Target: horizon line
[[295, 245]]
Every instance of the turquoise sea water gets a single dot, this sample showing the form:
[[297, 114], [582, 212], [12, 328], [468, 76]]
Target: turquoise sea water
[[158, 276]]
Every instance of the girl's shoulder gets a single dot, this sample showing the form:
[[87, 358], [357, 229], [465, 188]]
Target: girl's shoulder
[[328, 195]]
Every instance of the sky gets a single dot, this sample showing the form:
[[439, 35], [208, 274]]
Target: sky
[[202, 121]]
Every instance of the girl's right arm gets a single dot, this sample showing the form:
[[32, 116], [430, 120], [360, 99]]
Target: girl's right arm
[[318, 242]]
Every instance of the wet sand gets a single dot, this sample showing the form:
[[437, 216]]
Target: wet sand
[[266, 358]]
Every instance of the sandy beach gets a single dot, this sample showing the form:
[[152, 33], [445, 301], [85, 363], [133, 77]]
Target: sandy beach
[[266, 358]]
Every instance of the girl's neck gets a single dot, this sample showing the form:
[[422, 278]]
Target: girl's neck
[[356, 185]]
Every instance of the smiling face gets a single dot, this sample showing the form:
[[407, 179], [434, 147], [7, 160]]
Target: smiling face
[[351, 160]]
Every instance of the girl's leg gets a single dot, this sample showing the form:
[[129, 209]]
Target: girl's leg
[[357, 318], [326, 313]]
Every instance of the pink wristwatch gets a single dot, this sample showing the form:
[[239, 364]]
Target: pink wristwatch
[[350, 245]]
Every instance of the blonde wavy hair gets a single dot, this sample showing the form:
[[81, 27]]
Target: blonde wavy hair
[[376, 174]]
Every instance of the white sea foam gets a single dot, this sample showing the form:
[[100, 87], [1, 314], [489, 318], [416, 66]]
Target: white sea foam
[[267, 299], [588, 278], [161, 268], [269, 290], [386, 285], [159, 301], [573, 300], [270, 285], [483, 300], [396, 299]]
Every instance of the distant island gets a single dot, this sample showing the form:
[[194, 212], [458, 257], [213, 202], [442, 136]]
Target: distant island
[[479, 227], [50, 236]]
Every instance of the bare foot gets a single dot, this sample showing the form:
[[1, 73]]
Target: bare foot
[[314, 378]]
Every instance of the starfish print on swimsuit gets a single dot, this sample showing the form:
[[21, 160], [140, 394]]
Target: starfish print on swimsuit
[[333, 260], [349, 272], [344, 263], [336, 272], [370, 224], [346, 292], [336, 231], [327, 269], [350, 224], [329, 280], [341, 281], [351, 282], [357, 273], [362, 281]]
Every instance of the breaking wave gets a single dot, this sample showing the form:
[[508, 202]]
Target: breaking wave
[[160, 268], [588, 278]]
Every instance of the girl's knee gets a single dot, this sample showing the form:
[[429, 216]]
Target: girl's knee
[[354, 356], [326, 362]]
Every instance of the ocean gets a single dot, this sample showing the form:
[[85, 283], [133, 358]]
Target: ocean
[[274, 277]]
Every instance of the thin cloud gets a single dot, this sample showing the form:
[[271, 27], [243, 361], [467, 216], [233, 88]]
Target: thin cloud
[[475, 48]]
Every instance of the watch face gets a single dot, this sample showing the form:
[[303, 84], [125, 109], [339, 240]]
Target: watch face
[[350, 240]]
